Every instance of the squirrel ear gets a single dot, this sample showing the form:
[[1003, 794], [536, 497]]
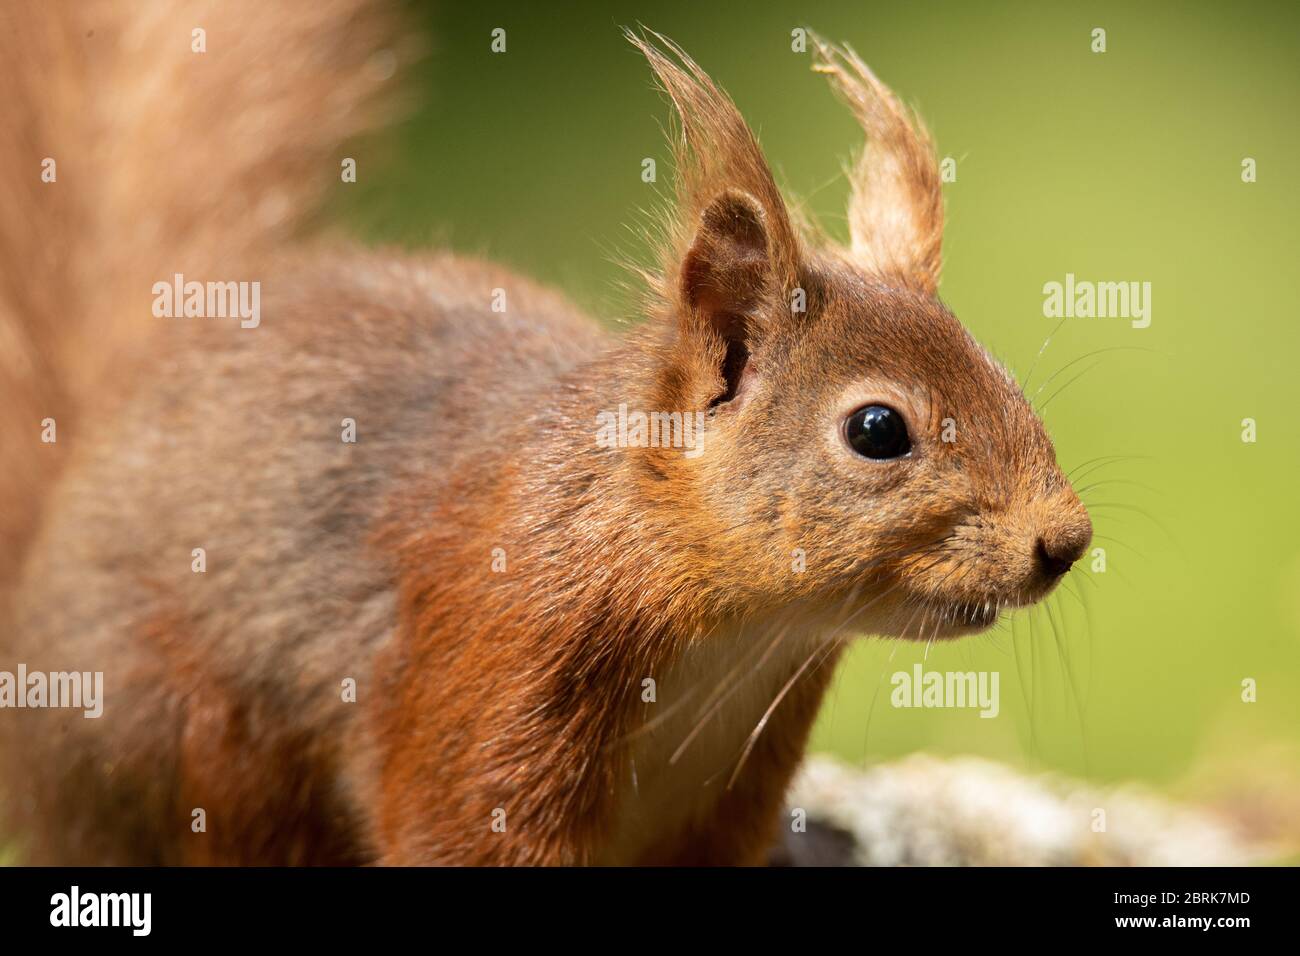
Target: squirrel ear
[[726, 270], [896, 204], [729, 241], [716, 155], [725, 275]]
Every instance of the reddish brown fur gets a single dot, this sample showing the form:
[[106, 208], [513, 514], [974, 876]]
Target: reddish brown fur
[[519, 690]]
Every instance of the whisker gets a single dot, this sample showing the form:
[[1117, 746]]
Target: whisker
[[1043, 407], [776, 701], [724, 698], [1103, 461], [1116, 481], [1123, 544], [671, 709], [1142, 512], [866, 731], [1034, 364], [829, 645], [1081, 358]]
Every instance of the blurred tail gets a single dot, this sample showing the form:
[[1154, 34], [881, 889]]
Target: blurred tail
[[138, 141]]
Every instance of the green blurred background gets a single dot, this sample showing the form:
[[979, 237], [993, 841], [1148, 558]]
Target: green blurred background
[[1122, 166]]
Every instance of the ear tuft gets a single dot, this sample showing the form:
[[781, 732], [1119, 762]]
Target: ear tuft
[[715, 152], [896, 204]]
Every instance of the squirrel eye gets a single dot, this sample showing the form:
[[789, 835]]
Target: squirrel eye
[[877, 431]]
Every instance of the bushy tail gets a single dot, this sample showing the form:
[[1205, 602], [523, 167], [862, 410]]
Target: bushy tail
[[139, 140]]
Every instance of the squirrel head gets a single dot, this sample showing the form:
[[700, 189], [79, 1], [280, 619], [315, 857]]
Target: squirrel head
[[862, 454]]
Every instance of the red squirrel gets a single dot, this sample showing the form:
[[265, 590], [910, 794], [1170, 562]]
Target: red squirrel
[[474, 632]]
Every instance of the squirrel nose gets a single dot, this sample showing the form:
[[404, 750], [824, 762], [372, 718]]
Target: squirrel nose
[[1056, 553]]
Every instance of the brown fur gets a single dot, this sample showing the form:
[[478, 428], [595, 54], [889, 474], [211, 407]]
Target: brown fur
[[485, 691]]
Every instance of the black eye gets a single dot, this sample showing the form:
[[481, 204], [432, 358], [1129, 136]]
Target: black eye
[[875, 431]]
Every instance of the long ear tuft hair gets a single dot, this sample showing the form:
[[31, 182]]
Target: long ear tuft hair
[[896, 203], [714, 152]]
